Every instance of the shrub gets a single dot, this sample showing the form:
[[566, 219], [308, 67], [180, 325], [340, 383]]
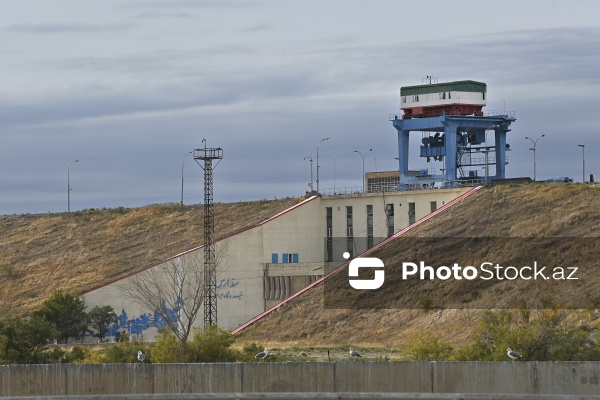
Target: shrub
[[211, 345]]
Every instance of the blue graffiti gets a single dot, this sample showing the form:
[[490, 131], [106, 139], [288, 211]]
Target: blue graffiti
[[225, 283], [137, 325], [229, 295]]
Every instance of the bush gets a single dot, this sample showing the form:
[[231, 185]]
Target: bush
[[167, 347], [211, 345], [429, 347], [120, 353], [249, 351]]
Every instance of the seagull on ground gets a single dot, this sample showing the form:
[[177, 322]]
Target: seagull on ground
[[354, 353], [262, 355], [513, 354], [141, 356]]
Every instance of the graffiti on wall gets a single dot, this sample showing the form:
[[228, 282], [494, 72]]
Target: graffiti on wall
[[134, 326], [226, 289]]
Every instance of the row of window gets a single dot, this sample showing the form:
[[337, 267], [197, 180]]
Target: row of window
[[286, 258], [383, 184], [444, 95], [389, 221]]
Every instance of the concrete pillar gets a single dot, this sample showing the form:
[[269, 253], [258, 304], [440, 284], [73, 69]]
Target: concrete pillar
[[403, 154], [500, 137], [450, 130]]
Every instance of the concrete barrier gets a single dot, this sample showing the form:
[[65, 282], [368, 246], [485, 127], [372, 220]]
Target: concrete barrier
[[556, 378]]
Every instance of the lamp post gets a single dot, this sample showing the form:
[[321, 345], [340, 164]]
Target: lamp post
[[363, 165], [182, 161], [309, 158], [533, 149], [69, 186], [583, 150], [318, 166]]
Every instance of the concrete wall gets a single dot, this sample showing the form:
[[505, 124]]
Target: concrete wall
[[247, 256], [575, 378]]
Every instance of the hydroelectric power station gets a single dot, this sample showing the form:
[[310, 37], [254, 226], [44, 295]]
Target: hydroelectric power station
[[453, 129]]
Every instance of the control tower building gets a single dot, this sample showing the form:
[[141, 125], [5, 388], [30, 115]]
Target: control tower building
[[454, 130]]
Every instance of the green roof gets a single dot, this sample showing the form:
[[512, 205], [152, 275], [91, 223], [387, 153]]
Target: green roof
[[457, 86]]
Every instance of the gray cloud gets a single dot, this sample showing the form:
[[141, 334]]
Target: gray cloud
[[66, 28], [267, 93]]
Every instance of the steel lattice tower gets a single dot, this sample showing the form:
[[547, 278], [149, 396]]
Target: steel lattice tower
[[207, 155]]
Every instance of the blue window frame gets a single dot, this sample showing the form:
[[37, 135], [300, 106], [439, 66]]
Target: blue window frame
[[285, 257], [295, 258], [274, 258]]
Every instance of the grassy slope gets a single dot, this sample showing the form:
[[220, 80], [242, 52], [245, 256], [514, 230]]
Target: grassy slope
[[84, 249], [549, 210]]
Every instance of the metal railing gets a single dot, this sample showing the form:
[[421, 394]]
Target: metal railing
[[342, 191]]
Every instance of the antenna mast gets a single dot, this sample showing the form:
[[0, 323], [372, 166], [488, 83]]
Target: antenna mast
[[207, 155]]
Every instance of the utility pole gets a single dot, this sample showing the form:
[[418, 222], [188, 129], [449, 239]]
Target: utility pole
[[69, 186], [207, 155], [534, 149], [322, 140], [312, 188], [363, 165]]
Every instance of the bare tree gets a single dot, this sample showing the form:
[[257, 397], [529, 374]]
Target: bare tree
[[174, 290]]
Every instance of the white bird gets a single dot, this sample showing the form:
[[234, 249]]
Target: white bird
[[141, 356], [262, 355], [354, 353], [513, 354]]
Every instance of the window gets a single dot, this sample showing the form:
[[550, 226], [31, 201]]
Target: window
[[411, 213], [329, 234], [288, 258], [369, 226], [274, 258], [389, 212], [329, 221], [383, 184], [349, 224], [433, 206], [349, 231]]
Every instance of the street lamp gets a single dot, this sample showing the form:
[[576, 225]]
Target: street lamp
[[318, 166], [363, 161], [69, 185], [309, 158], [533, 149], [583, 149], [182, 161]]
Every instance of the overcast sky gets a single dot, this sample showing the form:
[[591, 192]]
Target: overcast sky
[[129, 87]]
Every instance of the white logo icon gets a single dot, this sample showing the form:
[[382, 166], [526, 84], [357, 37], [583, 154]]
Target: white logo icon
[[366, 262]]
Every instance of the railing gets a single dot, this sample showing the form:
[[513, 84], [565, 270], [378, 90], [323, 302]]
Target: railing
[[404, 187], [491, 113], [496, 113], [342, 191]]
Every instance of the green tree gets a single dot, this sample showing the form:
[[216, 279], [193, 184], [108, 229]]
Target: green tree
[[67, 312], [538, 335], [23, 341], [428, 347], [100, 318], [166, 349], [211, 345]]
